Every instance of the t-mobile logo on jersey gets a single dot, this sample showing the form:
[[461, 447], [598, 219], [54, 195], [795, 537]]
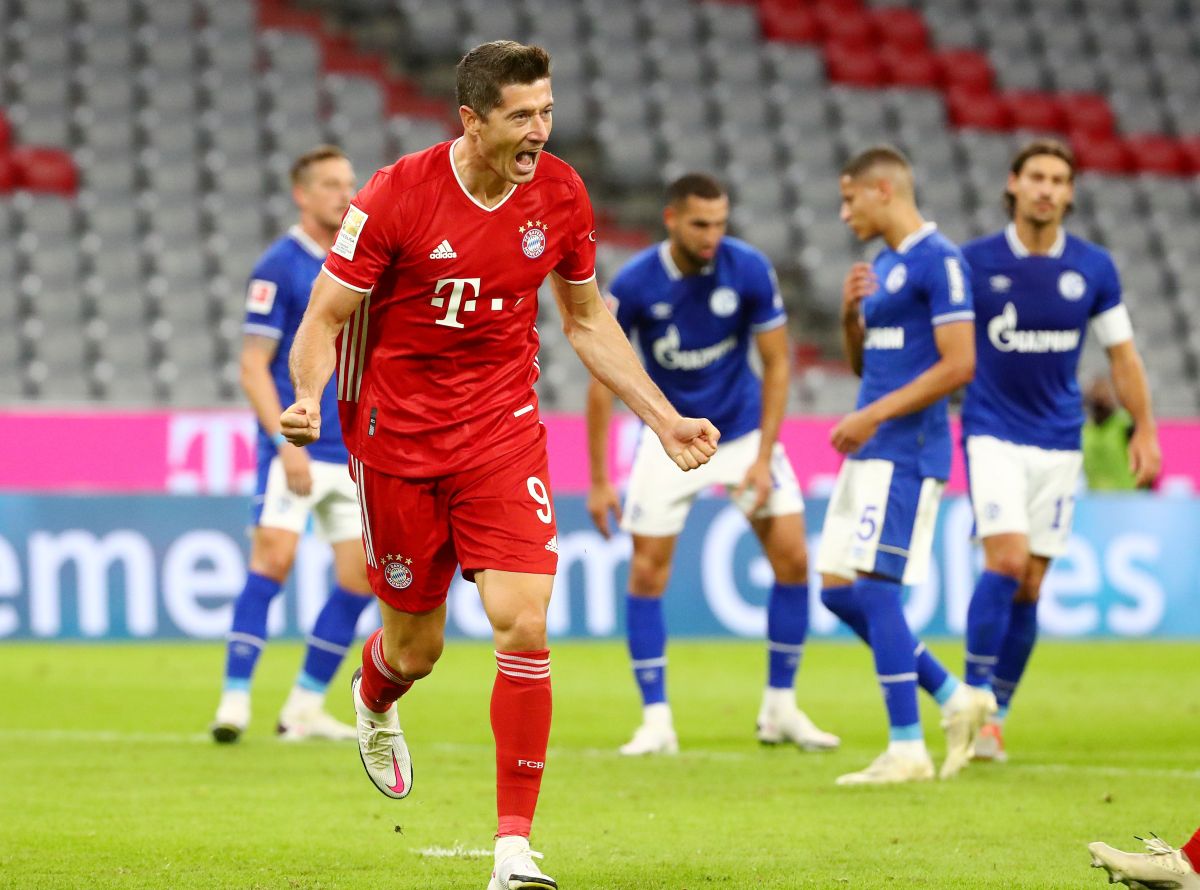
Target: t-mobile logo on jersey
[[532, 764], [456, 302]]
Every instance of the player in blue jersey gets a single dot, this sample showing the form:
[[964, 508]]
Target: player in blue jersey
[[908, 331], [295, 482], [696, 304], [1037, 292]]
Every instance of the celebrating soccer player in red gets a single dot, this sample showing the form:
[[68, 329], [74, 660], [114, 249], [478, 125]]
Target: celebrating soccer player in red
[[430, 292]]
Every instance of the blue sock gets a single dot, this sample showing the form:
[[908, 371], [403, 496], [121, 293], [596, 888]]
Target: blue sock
[[894, 648], [249, 632], [987, 624], [330, 638], [647, 635], [787, 626], [1015, 652], [841, 602]]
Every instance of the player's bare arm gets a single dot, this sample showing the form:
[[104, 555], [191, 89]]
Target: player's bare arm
[[956, 366], [314, 355], [257, 353], [1133, 391], [860, 283], [773, 349], [602, 497], [604, 350]]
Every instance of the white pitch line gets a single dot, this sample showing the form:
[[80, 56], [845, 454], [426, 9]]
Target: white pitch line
[[177, 738], [458, 851]]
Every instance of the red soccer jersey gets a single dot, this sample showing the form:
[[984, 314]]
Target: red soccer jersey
[[436, 367]]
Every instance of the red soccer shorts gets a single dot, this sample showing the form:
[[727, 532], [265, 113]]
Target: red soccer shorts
[[496, 516]]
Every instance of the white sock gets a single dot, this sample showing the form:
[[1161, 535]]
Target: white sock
[[304, 699], [778, 698], [911, 749], [657, 714]]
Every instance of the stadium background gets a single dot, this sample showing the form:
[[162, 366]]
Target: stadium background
[[144, 149]]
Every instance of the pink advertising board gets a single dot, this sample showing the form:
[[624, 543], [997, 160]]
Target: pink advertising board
[[212, 452]]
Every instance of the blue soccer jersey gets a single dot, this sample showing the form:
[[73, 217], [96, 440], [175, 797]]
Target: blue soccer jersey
[[694, 331], [275, 302], [1033, 313], [922, 284]]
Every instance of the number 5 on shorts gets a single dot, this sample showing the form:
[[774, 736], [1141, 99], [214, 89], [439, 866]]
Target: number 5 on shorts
[[537, 491], [868, 524]]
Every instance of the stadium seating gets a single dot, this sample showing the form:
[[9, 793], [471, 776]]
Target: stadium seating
[[180, 118]]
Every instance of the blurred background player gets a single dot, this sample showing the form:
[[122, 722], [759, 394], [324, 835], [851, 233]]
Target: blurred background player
[[1162, 866], [432, 287], [1107, 430], [293, 483], [696, 302], [1037, 291], [907, 328]]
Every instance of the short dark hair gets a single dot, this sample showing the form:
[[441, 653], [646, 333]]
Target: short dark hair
[[301, 165], [1052, 147], [873, 157], [699, 185], [490, 67]]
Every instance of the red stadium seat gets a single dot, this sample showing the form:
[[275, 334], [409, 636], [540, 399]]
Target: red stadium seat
[[1087, 113], [339, 55], [855, 65], [911, 68], [966, 69], [8, 173], [902, 28], [5, 133], [1035, 111], [45, 170], [1189, 149], [1103, 153], [981, 111], [1153, 153], [847, 27], [789, 22]]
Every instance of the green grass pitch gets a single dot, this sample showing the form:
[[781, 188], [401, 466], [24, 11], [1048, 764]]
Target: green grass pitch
[[108, 778]]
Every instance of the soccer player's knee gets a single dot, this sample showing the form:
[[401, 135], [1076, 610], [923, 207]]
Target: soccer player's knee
[[1028, 592], [792, 567], [272, 561], [415, 660], [1011, 563], [525, 630], [648, 577]]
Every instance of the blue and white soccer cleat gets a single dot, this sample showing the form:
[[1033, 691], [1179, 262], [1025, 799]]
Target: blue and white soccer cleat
[[1161, 868], [381, 746], [515, 868]]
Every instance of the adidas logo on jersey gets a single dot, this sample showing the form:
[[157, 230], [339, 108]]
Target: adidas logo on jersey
[[552, 544], [443, 252]]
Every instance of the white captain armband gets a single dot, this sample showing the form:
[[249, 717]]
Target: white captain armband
[[1112, 326]]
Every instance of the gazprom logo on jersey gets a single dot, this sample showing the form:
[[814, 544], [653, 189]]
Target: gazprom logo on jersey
[[884, 338], [1005, 336], [667, 353], [172, 566]]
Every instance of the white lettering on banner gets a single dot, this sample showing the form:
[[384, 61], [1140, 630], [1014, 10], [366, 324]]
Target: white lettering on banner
[[1121, 565], [202, 565], [1068, 602], [668, 354], [598, 560], [93, 559], [1002, 331], [221, 435], [720, 587], [961, 562], [923, 599], [10, 588], [821, 621], [313, 561]]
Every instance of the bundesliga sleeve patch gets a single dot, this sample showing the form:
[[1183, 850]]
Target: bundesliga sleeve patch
[[347, 239], [260, 297]]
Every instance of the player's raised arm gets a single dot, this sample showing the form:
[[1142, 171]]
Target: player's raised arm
[[1133, 391], [955, 367], [603, 348], [314, 355], [860, 283]]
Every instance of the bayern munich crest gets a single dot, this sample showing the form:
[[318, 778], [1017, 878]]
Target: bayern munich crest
[[533, 238], [396, 571]]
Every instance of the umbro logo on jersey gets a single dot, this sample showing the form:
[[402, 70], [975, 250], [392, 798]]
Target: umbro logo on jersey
[[443, 252]]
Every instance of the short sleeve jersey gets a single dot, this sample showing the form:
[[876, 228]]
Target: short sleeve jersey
[[276, 298], [436, 366], [695, 331], [922, 284], [1034, 312]]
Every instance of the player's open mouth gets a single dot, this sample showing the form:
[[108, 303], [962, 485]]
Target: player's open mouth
[[526, 161]]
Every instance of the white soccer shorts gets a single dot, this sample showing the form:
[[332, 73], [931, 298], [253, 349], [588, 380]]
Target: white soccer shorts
[[661, 494], [1022, 489], [333, 502], [880, 519]]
